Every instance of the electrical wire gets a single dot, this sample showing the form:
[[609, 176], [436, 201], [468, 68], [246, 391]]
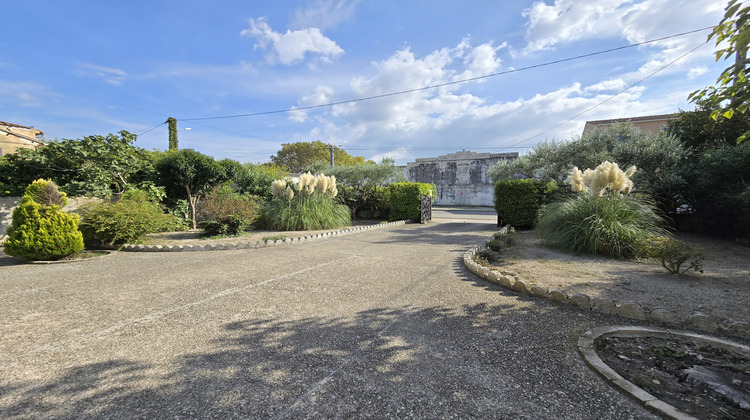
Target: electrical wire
[[610, 98], [455, 82]]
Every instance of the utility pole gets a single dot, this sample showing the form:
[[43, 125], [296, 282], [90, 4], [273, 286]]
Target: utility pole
[[330, 147], [172, 133]]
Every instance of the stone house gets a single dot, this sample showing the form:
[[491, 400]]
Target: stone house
[[14, 137], [649, 124], [461, 178]]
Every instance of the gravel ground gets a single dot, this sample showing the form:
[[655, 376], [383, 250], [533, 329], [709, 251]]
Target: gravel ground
[[382, 324]]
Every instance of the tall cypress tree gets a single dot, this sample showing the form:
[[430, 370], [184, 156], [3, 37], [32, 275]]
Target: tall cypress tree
[[172, 133]]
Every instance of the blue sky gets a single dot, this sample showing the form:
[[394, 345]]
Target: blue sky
[[80, 67]]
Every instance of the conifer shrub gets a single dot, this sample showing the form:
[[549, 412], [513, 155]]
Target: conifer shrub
[[108, 224], [305, 204], [40, 230]]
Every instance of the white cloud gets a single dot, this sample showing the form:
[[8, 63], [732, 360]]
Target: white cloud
[[291, 47], [323, 14], [697, 71], [111, 75]]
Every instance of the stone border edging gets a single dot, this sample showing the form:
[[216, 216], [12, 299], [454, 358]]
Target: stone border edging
[[254, 244], [512, 281], [587, 350]]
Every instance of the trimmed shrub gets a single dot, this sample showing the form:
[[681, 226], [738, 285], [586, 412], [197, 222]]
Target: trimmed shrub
[[517, 201], [672, 253], [226, 213], [612, 224], [405, 199], [306, 204], [126, 221], [41, 230]]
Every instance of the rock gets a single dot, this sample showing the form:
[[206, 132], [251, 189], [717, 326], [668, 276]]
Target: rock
[[540, 291], [493, 277], [664, 316], [581, 300], [506, 281], [520, 286], [606, 306], [632, 310], [558, 295], [739, 328], [703, 322]]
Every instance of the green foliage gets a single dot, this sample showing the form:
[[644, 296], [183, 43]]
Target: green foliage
[[499, 242], [612, 224], [40, 231], [659, 159], [307, 204], [187, 174], [256, 180], [45, 192], [226, 213], [126, 221], [96, 166], [486, 256], [297, 157], [517, 201], [173, 143], [698, 132], [673, 253], [361, 187], [405, 199], [731, 94], [719, 192]]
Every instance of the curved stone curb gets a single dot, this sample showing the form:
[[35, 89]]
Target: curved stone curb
[[254, 244], [512, 281], [587, 350]]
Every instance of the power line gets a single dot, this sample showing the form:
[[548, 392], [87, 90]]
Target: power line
[[610, 98], [455, 82]]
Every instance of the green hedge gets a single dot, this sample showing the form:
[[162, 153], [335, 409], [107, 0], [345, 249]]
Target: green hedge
[[517, 201], [404, 199]]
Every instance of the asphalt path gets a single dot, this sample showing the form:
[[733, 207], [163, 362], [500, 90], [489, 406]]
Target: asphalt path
[[380, 324]]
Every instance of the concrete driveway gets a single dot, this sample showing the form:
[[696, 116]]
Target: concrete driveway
[[380, 324]]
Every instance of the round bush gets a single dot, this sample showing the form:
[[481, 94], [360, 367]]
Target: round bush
[[613, 225], [42, 233], [126, 221]]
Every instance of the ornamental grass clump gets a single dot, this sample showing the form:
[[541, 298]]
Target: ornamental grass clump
[[40, 230], [305, 204], [603, 218]]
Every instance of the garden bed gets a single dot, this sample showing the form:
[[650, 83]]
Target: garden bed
[[723, 291]]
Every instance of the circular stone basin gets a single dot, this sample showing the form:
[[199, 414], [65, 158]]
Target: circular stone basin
[[666, 349]]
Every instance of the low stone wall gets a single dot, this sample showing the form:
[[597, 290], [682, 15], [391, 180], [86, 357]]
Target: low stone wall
[[8, 204]]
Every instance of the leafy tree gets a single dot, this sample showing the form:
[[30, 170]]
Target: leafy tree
[[98, 166], [361, 186], [300, 155], [718, 190], [256, 179], [698, 132], [731, 94], [187, 174], [659, 159]]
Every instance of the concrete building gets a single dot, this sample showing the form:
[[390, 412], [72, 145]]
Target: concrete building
[[649, 124], [14, 137], [461, 177]]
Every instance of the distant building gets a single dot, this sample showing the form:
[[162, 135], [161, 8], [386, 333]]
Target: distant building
[[14, 137], [461, 177], [650, 124]]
